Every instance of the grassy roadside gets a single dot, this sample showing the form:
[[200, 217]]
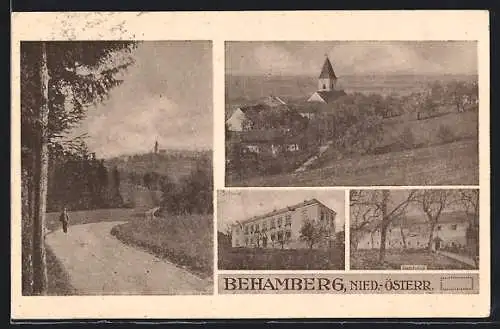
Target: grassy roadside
[[58, 279], [183, 240]]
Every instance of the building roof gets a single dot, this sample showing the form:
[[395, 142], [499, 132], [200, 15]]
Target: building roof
[[330, 96], [327, 71], [286, 209], [273, 101]]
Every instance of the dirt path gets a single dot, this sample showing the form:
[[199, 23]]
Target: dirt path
[[99, 264]]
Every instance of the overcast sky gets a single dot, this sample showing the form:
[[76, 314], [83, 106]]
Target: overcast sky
[[351, 57], [235, 206], [166, 95]]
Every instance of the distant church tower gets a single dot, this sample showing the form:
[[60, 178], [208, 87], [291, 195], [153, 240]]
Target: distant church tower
[[156, 147], [327, 85], [327, 80]]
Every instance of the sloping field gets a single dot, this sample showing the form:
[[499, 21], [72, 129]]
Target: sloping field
[[463, 125], [446, 164]]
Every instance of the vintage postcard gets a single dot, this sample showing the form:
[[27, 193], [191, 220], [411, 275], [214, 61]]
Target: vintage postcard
[[250, 165]]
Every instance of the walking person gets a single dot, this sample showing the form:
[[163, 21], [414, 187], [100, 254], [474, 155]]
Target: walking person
[[64, 218]]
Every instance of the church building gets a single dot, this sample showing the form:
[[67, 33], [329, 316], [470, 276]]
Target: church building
[[327, 85]]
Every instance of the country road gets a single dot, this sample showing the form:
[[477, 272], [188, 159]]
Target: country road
[[99, 264]]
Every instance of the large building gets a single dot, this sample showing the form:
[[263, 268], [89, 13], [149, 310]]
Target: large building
[[281, 228], [453, 230], [327, 85]]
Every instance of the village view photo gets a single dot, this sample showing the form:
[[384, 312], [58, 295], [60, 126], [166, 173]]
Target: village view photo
[[281, 229], [414, 229], [117, 183], [351, 113]]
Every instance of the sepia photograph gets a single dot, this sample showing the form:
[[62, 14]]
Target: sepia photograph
[[351, 113], [117, 183], [281, 230], [414, 229]]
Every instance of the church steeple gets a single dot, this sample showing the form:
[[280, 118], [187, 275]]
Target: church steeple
[[327, 78], [156, 147]]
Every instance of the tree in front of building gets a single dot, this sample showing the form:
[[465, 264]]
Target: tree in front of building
[[385, 209], [312, 232], [433, 202]]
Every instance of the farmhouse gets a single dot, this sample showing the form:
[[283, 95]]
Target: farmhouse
[[245, 117], [451, 231], [271, 141], [281, 228], [327, 85]]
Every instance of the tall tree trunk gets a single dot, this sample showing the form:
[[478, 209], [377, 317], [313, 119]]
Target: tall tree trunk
[[403, 236], [431, 236], [383, 226], [40, 174], [27, 230]]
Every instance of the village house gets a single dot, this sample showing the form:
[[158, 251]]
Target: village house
[[272, 142], [327, 86], [450, 232], [281, 228], [245, 117]]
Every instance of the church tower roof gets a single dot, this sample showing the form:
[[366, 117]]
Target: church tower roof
[[327, 70]]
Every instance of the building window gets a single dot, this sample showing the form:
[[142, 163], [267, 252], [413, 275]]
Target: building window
[[322, 216], [246, 229], [288, 220], [280, 236], [257, 228], [246, 241], [288, 234], [324, 86], [279, 222], [454, 227], [273, 237], [439, 227], [273, 224], [304, 215], [264, 226]]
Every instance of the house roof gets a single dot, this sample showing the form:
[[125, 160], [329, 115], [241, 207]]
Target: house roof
[[273, 101], [330, 96], [286, 209], [327, 70]]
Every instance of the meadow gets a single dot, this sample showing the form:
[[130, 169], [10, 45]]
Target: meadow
[[368, 260], [186, 240], [280, 259]]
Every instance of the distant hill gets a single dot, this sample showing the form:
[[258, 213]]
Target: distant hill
[[175, 164]]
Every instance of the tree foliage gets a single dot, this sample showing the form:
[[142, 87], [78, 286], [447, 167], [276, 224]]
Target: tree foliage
[[59, 80]]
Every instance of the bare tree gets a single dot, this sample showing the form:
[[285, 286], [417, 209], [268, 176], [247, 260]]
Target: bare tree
[[385, 210], [433, 202], [362, 217]]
